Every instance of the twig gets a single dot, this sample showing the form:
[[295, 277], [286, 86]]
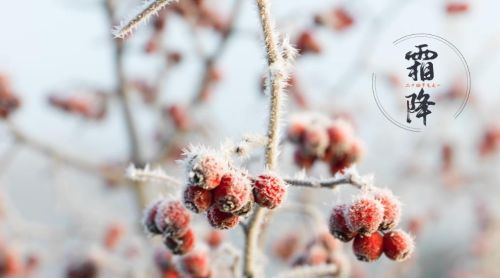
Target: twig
[[135, 151], [327, 183], [69, 160], [149, 10], [326, 270], [277, 85]]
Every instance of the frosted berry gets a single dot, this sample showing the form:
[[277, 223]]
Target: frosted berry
[[315, 140], [221, 220], [307, 42], [392, 209], [206, 171], [304, 159], [269, 190], [233, 192], [149, 219], [339, 133], [214, 238], [197, 199], [364, 215], [368, 248], [398, 245], [172, 218], [295, 132], [180, 245], [338, 226], [196, 264]]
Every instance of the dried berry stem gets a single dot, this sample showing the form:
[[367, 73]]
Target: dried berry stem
[[276, 78]]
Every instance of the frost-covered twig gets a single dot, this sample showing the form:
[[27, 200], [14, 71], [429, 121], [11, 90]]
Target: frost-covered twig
[[277, 79], [326, 270], [328, 183], [151, 175], [149, 9]]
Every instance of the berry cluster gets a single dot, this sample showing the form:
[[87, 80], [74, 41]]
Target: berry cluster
[[171, 220], [370, 220], [320, 138], [225, 192]]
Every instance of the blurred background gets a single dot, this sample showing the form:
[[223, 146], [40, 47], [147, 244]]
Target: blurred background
[[77, 107]]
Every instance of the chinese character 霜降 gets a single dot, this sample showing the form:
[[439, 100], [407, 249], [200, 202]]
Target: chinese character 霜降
[[421, 66], [418, 104]]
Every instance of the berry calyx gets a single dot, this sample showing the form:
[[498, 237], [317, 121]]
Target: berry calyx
[[206, 171], [233, 192]]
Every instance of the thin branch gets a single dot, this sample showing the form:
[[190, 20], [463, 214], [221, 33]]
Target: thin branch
[[326, 270], [328, 183], [132, 134], [67, 159], [277, 78], [150, 9]]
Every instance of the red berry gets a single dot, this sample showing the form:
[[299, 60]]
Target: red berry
[[457, 8], [327, 241], [342, 19], [338, 226], [149, 219], [197, 199], [355, 152], [296, 132], [316, 255], [307, 42], [206, 171], [196, 264], [233, 192], [172, 218], [221, 220], [368, 248], [214, 238], [392, 209], [364, 215], [315, 140], [303, 159], [398, 245], [339, 133], [269, 190], [181, 245]]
